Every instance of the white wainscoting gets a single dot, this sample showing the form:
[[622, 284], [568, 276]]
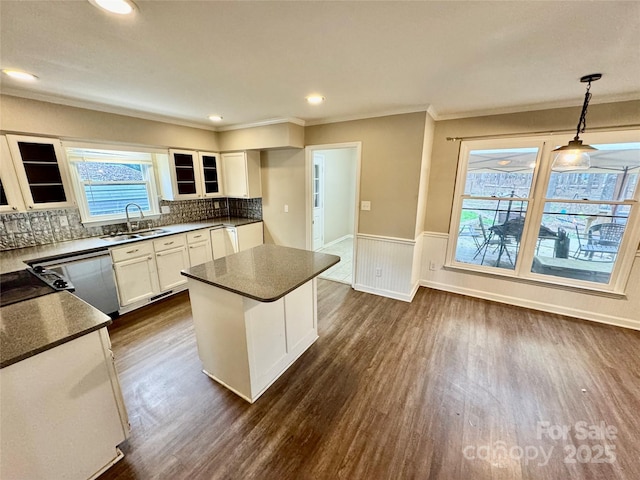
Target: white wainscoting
[[623, 312], [387, 266]]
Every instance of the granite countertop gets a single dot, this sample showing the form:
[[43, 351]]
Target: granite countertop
[[12, 260], [264, 273], [34, 326]]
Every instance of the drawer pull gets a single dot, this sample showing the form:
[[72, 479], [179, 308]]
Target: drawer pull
[[133, 251], [169, 243], [197, 236]]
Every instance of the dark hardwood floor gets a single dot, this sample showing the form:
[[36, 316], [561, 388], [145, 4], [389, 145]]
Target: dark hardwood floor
[[447, 387]]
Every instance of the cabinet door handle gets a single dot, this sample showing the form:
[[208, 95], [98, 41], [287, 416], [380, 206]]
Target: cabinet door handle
[[133, 251]]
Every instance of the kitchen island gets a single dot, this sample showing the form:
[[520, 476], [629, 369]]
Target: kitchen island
[[254, 314]]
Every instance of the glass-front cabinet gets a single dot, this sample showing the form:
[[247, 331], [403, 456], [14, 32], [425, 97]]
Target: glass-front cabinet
[[189, 174], [41, 172]]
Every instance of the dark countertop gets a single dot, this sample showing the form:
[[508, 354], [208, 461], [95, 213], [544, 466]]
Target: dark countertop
[[264, 273], [34, 326], [12, 260]]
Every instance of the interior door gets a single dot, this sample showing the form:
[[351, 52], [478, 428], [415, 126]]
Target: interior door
[[318, 201]]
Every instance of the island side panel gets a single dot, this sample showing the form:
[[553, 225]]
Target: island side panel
[[219, 324], [300, 315], [266, 338]]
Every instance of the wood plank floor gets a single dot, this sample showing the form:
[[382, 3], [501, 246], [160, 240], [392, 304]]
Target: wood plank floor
[[447, 387]]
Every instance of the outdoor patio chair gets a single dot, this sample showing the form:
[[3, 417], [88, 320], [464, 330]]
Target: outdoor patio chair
[[603, 238]]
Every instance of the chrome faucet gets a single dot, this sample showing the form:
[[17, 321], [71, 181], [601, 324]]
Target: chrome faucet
[[126, 211]]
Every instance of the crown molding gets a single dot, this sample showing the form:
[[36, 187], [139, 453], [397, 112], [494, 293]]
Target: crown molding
[[272, 121], [535, 107], [102, 107], [384, 113]]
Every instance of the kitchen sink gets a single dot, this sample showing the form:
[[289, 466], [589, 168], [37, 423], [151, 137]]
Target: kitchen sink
[[129, 236], [118, 238], [150, 233]]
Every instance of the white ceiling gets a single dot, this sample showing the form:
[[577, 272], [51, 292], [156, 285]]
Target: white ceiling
[[256, 61]]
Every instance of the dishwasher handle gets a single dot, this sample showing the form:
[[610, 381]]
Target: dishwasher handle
[[70, 259]]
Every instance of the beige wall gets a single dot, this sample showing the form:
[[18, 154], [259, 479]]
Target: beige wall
[[444, 156], [339, 192], [21, 115], [280, 135], [425, 172], [390, 168], [283, 183]]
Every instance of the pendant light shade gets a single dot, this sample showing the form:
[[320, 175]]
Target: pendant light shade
[[575, 155]]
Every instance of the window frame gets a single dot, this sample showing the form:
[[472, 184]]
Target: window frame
[[149, 173], [539, 186]]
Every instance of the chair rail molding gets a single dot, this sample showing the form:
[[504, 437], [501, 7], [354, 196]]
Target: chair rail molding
[[620, 310]]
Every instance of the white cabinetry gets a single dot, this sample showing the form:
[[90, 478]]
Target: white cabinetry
[[249, 236], [62, 412], [228, 240], [41, 170], [200, 251], [241, 172], [189, 174], [10, 196], [135, 271], [224, 242], [171, 258]]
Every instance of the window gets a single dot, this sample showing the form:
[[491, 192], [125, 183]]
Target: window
[[107, 180], [515, 216]]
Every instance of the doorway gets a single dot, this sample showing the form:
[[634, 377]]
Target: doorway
[[333, 192]]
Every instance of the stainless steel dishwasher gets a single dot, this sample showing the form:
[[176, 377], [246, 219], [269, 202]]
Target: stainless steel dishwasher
[[92, 276]]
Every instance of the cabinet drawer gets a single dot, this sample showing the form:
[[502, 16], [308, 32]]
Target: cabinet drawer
[[197, 236], [167, 243], [133, 250]]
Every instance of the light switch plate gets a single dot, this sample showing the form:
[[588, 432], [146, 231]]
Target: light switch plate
[[365, 205], [165, 209]]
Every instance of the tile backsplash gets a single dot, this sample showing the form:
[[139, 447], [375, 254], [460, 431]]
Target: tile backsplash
[[18, 230]]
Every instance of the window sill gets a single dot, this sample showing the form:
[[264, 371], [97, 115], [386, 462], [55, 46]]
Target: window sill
[[539, 282]]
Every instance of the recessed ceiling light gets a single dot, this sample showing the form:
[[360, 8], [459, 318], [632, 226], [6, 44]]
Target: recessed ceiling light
[[215, 118], [121, 7], [315, 99], [18, 75]]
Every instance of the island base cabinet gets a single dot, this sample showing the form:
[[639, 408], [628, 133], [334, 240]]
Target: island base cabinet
[[244, 344], [62, 412]]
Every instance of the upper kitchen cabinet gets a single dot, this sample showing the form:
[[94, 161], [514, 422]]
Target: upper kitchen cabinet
[[41, 170], [10, 196], [241, 171], [211, 174], [187, 174]]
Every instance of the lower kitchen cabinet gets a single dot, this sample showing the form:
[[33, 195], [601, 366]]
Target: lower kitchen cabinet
[[199, 244], [62, 412], [249, 236], [224, 242], [171, 258], [135, 271]]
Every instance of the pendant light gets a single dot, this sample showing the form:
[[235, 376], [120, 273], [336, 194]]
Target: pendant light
[[575, 155]]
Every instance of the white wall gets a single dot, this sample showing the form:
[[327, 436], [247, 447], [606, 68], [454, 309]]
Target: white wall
[[339, 192]]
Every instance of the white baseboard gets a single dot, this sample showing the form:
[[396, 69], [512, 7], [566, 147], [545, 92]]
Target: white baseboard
[[337, 240], [387, 293], [534, 305]]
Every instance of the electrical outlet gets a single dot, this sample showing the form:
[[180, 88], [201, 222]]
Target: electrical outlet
[[165, 209], [216, 204], [64, 221], [378, 272], [286, 209], [432, 266], [365, 205]]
